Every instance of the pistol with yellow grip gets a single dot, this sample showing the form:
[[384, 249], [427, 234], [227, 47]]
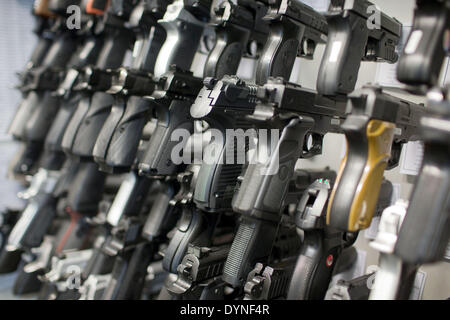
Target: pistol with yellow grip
[[377, 125]]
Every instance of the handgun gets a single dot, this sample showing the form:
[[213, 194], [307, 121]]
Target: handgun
[[46, 78], [84, 197], [198, 274], [241, 102], [203, 218], [178, 22], [269, 280], [424, 52], [211, 287], [117, 143], [192, 224], [287, 25], [130, 265], [93, 109], [376, 126], [45, 180], [78, 232], [173, 84], [171, 101], [429, 210], [34, 115], [185, 23], [355, 34], [131, 199], [295, 30], [304, 115], [322, 246], [87, 53], [211, 187], [137, 250], [236, 26], [224, 20], [394, 278]]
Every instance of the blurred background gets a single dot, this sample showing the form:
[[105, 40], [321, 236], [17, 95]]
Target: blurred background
[[16, 42]]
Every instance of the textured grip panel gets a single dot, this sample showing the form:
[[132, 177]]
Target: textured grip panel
[[125, 139], [92, 124], [279, 52], [237, 251], [253, 243], [104, 137], [226, 55], [157, 159]]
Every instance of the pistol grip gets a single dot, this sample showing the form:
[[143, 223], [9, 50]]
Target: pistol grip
[[425, 231], [162, 216], [424, 53], [30, 229], [355, 194], [216, 179], [264, 187], [26, 107], [41, 119], [55, 135], [115, 48], [61, 52], [226, 55], [280, 51], [86, 189], [315, 265], [157, 159], [81, 110], [252, 243], [128, 275], [181, 44], [193, 227], [39, 53], [127, 135], [104, 137], [91, 125], [344, 51]]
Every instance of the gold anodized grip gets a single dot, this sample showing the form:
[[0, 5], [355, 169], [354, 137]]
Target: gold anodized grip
[[380, 136]]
